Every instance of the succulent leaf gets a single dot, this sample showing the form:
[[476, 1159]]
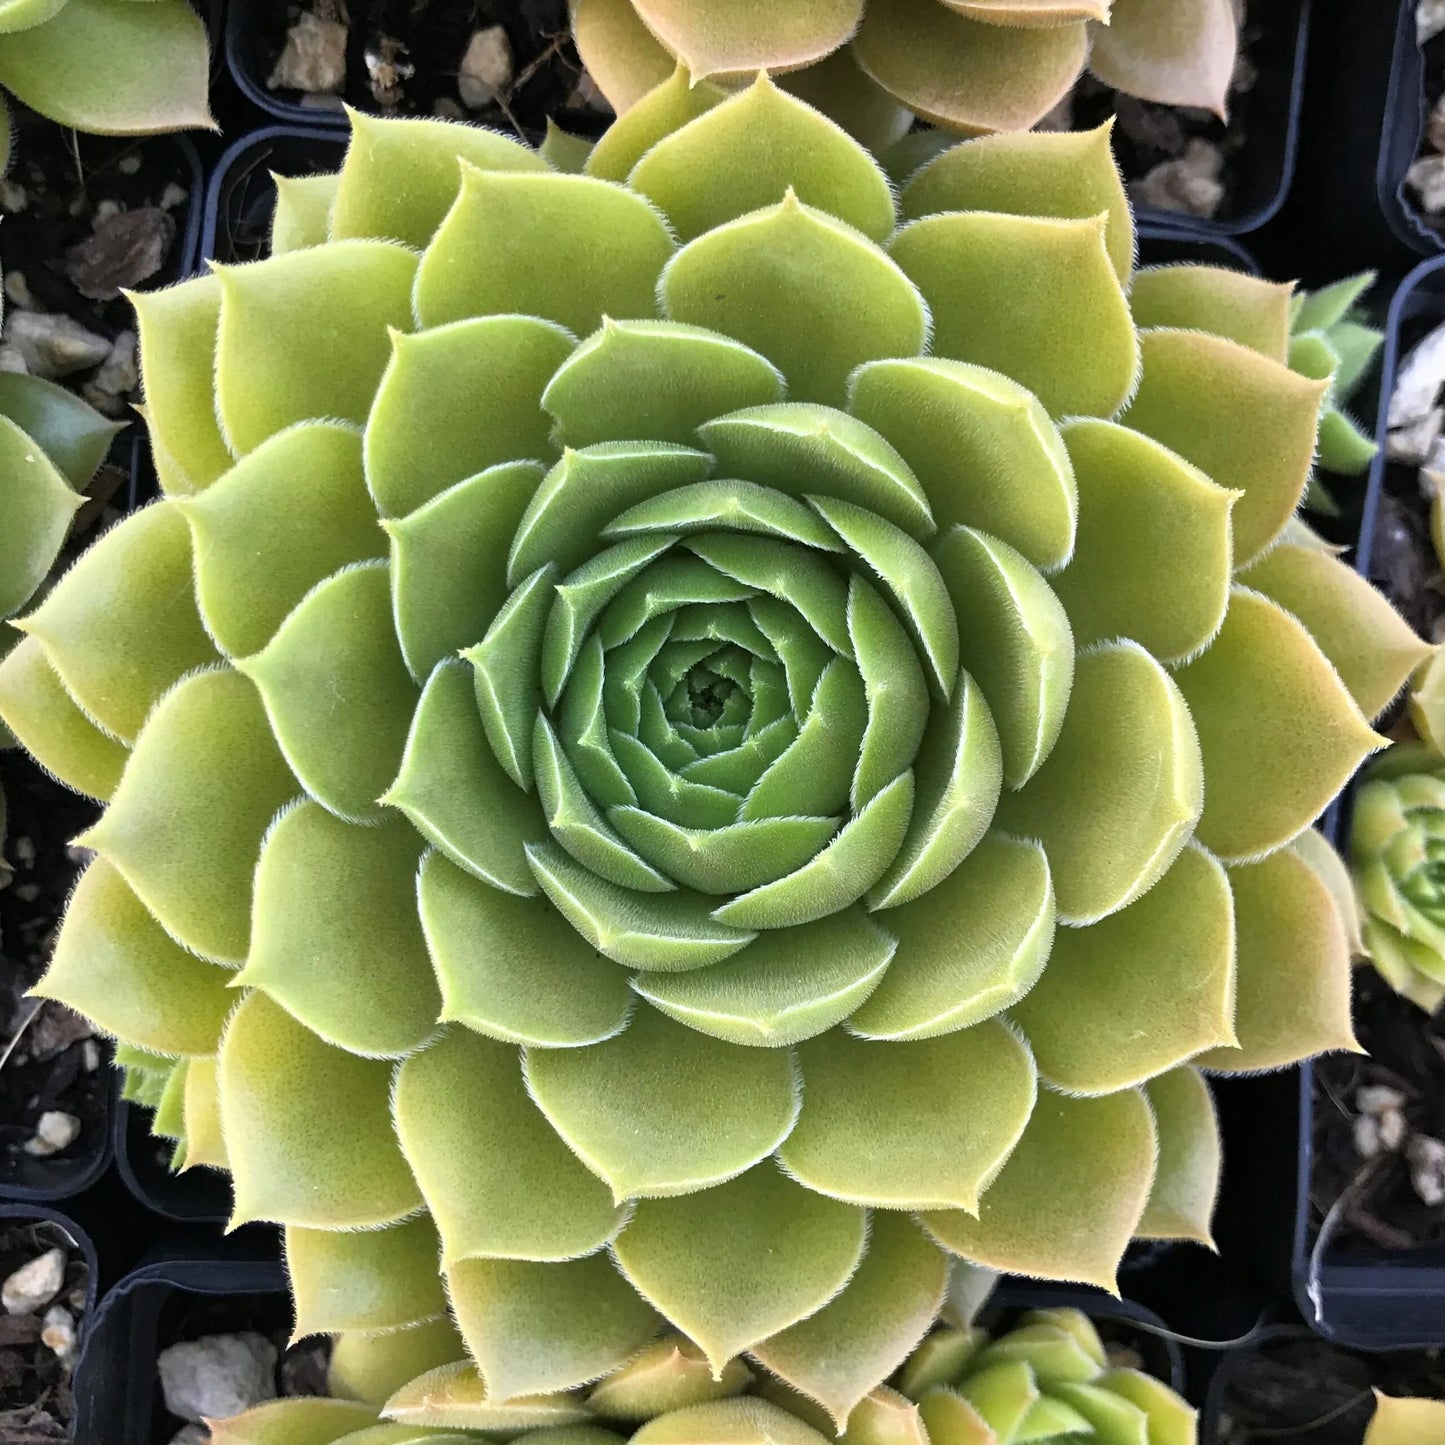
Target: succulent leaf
[[1071, 175], [337, 941], [963, 74], [121, 626], [313, 1168], [44, 718], [337, 691], [996, 286], [1140, 991], [533, 1327], [917, 1125], [1251, 805], [373, 1279], [1074, 1187], [1186, 1177], [51, 67], [1279, 897], [736, 1264], [304, 206], [1179, 54], [117, 965], [373, 1367], [308, 532], [186, 822]]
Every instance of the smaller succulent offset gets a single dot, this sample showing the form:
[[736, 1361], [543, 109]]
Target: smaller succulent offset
[[108, 67], [1398, 855], [1047, 1382], [969, 66], [1330, 342]]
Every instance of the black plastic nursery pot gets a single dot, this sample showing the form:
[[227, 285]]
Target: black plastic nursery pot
[[116, 1385], [192, 1288], [1286, 1383], [1356, 1294], [1263, 169]]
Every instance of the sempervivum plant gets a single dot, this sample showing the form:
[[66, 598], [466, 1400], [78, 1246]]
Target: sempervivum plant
[[966, 65], [706, 794], [1398, 857], [1048, 1380]]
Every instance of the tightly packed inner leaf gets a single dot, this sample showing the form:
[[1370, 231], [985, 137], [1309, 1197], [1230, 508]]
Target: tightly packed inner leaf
[[717, 784]]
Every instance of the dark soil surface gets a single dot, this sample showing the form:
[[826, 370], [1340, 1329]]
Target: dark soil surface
[[386, 38], [35, 1400], [54, 1064], [1378, 1206], [85, 215], [1296, 1388]]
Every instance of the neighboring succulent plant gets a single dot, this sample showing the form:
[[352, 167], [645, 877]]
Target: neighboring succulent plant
[[1330, 341], [711, 733], [1397, 843], [969, 66], [1406, 1422], [109, 67], [1048, 1380], [51, 442]]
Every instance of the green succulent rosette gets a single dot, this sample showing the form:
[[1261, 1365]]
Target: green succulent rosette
[[108, 67], [1331, 341], [1049, 1381], [968, 66], [699, 747], [1397, 853]]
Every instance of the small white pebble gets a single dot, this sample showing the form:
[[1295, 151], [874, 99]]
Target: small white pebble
[[28, 892], [54, 1132], [1392, 1129], [172, 196], [13, 196], [17, 289], [1367, 1136], [128, 165], [1377, 1098], [24, 848], [35, 1284], [105, 210], [486, 68], [1426, 1157], [90, 1056], [58, 1332], [314, 56], [218, 1376]]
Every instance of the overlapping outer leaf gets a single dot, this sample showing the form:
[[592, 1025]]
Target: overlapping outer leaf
[[970, 66], [1397, 856], [1048, 1380], [724, 795], [154, 57]]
